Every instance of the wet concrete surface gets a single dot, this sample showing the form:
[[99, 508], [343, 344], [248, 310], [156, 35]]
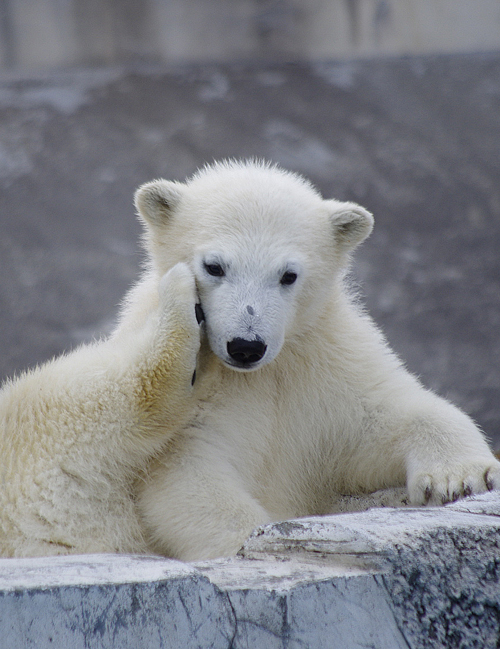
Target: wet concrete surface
[[415, 140]]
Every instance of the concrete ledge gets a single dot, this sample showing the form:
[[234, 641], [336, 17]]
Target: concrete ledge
[[386, 578], [127, 602]]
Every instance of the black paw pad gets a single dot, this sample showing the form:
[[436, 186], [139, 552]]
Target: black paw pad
[[200, 316]]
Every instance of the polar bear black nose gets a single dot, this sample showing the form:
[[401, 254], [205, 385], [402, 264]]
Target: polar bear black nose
[[246, 352]]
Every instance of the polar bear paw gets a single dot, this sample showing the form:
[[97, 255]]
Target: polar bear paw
[[178, 295], [445, 484], [179, 313], [177, 283]]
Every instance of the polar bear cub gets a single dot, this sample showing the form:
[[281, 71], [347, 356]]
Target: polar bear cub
[[76, 433], [303, 400]]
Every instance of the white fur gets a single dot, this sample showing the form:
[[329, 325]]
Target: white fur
[[76, 433], [328, 410]]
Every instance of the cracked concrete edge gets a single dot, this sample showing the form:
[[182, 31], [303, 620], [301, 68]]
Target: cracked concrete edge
[[385, 578], [376, 533], [152, 602], [103, 601], [438, 567]]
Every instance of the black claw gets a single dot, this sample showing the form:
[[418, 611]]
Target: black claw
[[200, 316], [193, 379], [427, 494], [467, 490]]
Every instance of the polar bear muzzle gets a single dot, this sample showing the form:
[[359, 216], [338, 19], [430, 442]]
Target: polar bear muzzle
[[246, 352]]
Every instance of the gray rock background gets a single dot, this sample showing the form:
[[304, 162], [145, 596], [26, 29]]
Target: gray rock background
[[414, 139]]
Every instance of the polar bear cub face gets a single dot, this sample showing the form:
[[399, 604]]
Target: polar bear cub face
[[249, 294], [264, 246]]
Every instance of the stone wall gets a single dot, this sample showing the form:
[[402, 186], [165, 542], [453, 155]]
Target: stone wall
[[386, 579], [63, 33]]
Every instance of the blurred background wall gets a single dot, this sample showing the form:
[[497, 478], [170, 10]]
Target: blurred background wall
[[62, 33]]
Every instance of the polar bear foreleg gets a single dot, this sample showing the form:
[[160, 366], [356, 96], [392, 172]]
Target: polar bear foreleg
[[195, 507], [164, 367], [443, 453], [448, 458]]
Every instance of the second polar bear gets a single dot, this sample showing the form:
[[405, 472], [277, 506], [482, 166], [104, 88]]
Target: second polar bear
[[76, 433], [303, 399]]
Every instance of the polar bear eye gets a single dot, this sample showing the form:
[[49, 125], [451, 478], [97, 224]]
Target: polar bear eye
[[215, 270], [288, 278]]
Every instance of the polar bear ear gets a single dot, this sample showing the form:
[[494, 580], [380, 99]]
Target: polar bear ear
[[156, 201], [351, 224]]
